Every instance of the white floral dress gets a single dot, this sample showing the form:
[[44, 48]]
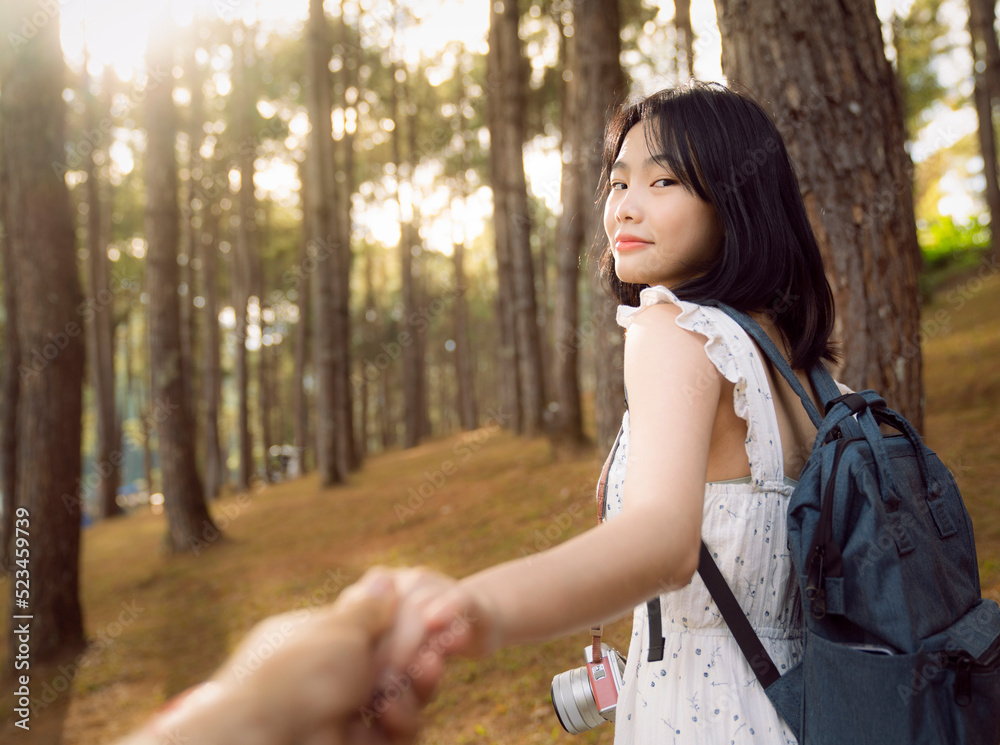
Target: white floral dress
[[703, 690]]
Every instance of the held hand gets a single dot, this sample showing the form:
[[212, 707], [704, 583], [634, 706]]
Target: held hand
[[301, 677], [309, 674], [438, 616]]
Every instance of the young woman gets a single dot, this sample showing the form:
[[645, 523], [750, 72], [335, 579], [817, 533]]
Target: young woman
[[701, 204]]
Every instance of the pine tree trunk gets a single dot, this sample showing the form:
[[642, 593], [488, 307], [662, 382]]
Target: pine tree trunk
[[191, 527], [592, 55], [331, 451], [346, 78], [986, 91], [567, 425], [265, 401], [41, 252], [411, 352], [463, 357], [100, 326], [302, 285], [10, 360], [507, 71], [215, 461], [685, 37], [600, 70], [246, 252], [205, 213], [822, 69]]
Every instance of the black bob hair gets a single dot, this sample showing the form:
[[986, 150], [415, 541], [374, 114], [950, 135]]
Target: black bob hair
[[722, 146]]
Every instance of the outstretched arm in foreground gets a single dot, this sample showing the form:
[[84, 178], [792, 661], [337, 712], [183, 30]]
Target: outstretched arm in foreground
[[301, 677]]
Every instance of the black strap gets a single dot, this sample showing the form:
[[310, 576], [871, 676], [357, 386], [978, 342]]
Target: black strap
[[760, 661], [655, 630]]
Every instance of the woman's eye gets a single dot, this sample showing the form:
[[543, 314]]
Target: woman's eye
[[664, 182], [618, 186]]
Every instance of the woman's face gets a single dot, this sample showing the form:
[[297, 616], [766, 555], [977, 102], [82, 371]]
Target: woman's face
[[661, 233]]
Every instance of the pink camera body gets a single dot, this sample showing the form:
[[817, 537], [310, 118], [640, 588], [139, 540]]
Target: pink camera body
[[605, 682]]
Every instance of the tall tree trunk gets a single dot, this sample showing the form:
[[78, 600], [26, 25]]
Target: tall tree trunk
[[302, 333], [597, 32], [822, 68], [265, 400], [246, 250], [567, 423], [506, 67], [463, 356], [685, 37], [215, 461], [986, 91], [10, 362], [191, 527], [413, 363], [204, 230], [42, 260], [346, 79], [332, 459], [100, 323], [597, 36]]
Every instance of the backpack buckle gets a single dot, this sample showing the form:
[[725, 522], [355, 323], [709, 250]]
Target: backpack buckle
[[854, 401]]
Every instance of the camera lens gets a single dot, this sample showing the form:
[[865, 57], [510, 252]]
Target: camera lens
[[574, 702]]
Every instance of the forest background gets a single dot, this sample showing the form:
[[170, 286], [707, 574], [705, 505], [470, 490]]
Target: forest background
[[246, 241]]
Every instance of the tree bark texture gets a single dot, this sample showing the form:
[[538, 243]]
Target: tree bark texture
[[685, 38], [413, 369], [41, 252], [10, 360], [100, 320], [346, 78], [985, 56], [204, 228], [567, 424], [332, 459], [821, 70], [215, 461], [191, 527], [463, 354], [302, 285], [507, 77], [596, 87], [602, 71], [246, 253]]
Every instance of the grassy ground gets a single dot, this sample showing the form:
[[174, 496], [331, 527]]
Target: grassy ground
[[159, 624]]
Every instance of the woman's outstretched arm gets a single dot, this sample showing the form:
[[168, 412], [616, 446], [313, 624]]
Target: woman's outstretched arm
[[652, 546]]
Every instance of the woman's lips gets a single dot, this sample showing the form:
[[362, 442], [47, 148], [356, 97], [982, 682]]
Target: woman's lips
[[629, 243]]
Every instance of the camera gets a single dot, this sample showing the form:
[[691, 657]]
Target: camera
[[587, 696]]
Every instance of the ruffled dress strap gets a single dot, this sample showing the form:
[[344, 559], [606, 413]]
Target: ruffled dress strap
[[737, 359]]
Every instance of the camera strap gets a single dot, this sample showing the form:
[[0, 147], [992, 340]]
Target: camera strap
[[596, 653], [602, 483]]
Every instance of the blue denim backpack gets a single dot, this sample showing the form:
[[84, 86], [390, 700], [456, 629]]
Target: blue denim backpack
[[900, 647]]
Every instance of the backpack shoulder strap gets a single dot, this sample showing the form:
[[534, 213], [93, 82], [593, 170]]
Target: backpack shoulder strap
[[820, 377], [760, 661]]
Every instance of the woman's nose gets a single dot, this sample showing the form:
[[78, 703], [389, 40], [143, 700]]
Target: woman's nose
[[628, 208]]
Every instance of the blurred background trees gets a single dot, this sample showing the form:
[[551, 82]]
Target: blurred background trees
[[309, 233]]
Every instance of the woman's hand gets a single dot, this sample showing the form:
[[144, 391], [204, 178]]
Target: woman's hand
[[438, 616]]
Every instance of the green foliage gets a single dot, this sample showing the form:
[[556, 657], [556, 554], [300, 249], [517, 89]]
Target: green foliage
[[950, 250], [943, 242]]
